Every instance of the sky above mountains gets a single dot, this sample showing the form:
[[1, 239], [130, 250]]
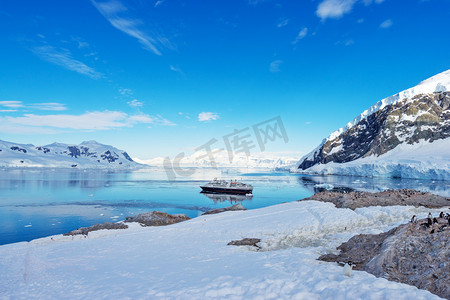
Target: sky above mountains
[[157, 78]]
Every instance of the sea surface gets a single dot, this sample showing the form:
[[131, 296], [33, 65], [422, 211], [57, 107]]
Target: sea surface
[[35, 203]]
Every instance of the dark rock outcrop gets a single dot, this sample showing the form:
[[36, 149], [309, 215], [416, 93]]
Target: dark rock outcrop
[[385, 198], [220, 210], [157, 218], [245, 242], [107, 225], [412, 253]]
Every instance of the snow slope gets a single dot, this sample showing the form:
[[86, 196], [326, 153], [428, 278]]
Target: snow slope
[[191, 260], [422, 160], [90, 154]]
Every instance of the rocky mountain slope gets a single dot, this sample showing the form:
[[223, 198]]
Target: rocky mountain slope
[[86, 155], [419, 115]]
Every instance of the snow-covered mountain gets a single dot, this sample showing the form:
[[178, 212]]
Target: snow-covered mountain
[[417, 119], [200, 159], [86, 155]]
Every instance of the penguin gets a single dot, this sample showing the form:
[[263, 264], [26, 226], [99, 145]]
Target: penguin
[[441, 215], [414, 219], [348, 269], [429, 222], [425, 225], [435, 220]]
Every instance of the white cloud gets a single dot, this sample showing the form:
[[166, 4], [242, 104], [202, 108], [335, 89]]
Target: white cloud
[[135, 103], [386, 24], [48, 106], [98, 120], [275, 66], [38, 106], [111, 10], [159, 2], [334, 9], [301, 35], [283, 23], [11, 104], [126, 92], [368, 2], [207, 116], [176, 69], [63, 58]]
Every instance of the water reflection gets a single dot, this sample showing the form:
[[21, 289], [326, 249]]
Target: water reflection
[[233, 199], [39, 202]]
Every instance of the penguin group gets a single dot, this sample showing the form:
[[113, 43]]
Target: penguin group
[[430, 221]]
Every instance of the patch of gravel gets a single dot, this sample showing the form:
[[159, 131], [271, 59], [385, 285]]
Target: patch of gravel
[[405, 197]]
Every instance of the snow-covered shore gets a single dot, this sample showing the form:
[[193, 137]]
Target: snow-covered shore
[[420, 161], [191, 260]]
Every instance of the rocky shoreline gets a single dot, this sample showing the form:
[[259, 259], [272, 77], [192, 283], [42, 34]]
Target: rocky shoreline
[[412, 253], [416, 253], [354, 199]]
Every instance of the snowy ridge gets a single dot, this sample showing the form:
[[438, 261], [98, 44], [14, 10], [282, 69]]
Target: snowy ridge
[[422, 160], [201, 159], [437, 83], [421, 112], [191, 260], [90, 154]]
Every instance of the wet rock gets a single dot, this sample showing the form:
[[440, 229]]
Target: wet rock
[[409, 253], [385, 198], [107, 225], [157, 218], [220, 210], [245, 242]]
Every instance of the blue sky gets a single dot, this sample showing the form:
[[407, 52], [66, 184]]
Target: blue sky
[[159, 77]]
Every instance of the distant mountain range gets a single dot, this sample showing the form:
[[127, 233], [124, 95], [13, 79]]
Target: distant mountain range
[[406, 135], [86, 155], [200, 159]]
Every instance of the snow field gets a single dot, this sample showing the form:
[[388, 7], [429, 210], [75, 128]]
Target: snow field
[[191, 260]]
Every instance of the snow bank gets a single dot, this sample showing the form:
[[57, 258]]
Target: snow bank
[[422, 160], [191, 260]]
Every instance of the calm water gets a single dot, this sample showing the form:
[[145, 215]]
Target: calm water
[[38, 203]]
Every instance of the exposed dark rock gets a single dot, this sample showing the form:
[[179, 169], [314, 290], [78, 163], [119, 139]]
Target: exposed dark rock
[[110, 157], [127, 156], [157, 218], [15, 148], [107, 225], [385, 129], [245, 242], [410, 253], [220, 210], [385, 198], [43, 149], [74, 151]]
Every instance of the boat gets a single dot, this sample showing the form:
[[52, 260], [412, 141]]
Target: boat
[[227, 187]]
